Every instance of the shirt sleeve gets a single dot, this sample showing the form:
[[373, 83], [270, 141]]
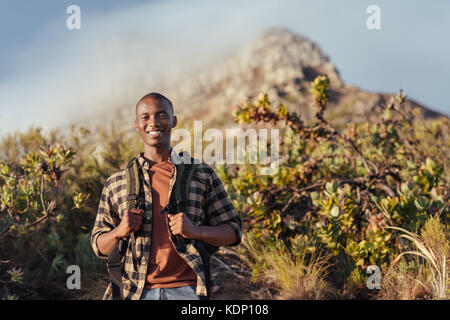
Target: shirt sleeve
[[219, 208], [105, 221]]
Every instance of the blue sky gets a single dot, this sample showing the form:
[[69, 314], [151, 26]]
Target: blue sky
[[51, 75]]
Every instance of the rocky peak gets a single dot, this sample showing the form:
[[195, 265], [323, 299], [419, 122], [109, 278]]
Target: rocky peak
[[278, 62], [283, 55]]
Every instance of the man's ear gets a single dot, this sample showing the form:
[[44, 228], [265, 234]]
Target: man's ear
[[136, 125], [174, 122]]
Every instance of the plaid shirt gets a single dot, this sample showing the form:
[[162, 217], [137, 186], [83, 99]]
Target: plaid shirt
[[208, 204]]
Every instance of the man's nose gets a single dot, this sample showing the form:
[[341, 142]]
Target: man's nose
[[153, 121]]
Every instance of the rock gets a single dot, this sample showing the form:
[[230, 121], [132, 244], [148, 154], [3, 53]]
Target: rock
[[280, 63]]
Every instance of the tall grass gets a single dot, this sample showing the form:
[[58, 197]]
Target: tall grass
[[408, 279], [297, 271], [431, 266]]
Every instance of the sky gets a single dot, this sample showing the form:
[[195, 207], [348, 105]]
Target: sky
[[51, 76]]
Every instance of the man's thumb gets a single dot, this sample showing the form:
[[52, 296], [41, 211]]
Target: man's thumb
[[136, 211]]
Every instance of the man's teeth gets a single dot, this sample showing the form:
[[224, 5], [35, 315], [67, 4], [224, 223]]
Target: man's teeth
[[154, 133]]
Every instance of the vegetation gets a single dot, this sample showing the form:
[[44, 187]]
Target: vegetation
[[435, 251], [294, 271], [343, 200], [346, 188]]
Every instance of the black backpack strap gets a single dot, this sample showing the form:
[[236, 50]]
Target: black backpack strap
[[206, 259], [134, 201], [180, 199], [179, 196], [185, 171], [115, 273]]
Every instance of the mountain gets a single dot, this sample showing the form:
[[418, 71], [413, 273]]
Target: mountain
[[281, 64], [278, 62]]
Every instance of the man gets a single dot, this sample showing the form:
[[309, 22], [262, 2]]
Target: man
[[161, 269]]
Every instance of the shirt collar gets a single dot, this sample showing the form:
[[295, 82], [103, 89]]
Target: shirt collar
[[174, 159]]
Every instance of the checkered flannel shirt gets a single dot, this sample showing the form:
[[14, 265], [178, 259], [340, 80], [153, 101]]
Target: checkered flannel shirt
[[208, 204]]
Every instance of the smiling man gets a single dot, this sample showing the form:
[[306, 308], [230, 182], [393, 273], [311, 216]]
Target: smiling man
[[162, 268]]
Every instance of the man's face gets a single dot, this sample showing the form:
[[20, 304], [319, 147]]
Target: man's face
[[154, 122]]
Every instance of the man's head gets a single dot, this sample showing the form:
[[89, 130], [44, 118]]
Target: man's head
[[154, 120]]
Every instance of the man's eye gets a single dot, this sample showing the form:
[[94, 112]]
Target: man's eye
[[163, 115]]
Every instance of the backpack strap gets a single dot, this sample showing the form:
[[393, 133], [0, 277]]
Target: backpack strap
[[181, 190], [185, 172], [134, 201], [180, 195], [115, 272]]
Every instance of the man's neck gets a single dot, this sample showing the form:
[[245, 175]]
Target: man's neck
[[157, 155]]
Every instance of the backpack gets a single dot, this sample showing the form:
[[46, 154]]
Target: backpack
[[178, 202]]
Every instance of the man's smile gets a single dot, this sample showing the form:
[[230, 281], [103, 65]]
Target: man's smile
[[154, 133]]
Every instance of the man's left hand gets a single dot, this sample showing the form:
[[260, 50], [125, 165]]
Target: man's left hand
[[180, 224]]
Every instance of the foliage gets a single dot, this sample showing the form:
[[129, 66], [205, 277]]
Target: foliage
[[312, 227], [25, 201], [297, 271], [434, 248], [345, 187], [49, 193], [33, 201], [405, 280]]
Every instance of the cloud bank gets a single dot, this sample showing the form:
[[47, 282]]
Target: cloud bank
[[67, 75]]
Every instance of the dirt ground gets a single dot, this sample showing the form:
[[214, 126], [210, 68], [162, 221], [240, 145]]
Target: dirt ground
[[231, 278]]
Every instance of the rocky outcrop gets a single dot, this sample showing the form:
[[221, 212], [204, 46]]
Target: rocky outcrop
[[281, 64]]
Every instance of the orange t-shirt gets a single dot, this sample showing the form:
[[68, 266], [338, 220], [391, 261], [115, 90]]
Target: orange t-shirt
[[166, 269]]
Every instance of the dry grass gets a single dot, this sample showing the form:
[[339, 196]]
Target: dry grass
[[405, 280], [297, 274], [426, 276]]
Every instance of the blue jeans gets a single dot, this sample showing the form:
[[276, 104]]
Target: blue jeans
[[180, 293]]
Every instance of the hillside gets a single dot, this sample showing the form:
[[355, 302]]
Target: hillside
[[281, 64], [278, 62]]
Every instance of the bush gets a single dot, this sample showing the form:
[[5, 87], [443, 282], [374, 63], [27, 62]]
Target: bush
[[429, 269], [297, 271], [345, 188]]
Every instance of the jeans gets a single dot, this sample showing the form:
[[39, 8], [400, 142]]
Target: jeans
[[180, 293]]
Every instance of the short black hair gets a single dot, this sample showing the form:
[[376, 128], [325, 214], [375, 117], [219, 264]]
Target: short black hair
[[157, 96]]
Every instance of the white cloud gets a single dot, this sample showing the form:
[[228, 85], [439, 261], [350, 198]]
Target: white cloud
[[117, 57]]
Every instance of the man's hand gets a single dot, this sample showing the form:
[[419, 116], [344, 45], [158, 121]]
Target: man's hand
[[180, 224], [131, 221], [221, 235]]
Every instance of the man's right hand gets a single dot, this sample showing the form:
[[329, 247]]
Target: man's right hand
[[131, 221]]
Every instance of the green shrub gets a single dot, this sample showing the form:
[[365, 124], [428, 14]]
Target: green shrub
[[344, 188]]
